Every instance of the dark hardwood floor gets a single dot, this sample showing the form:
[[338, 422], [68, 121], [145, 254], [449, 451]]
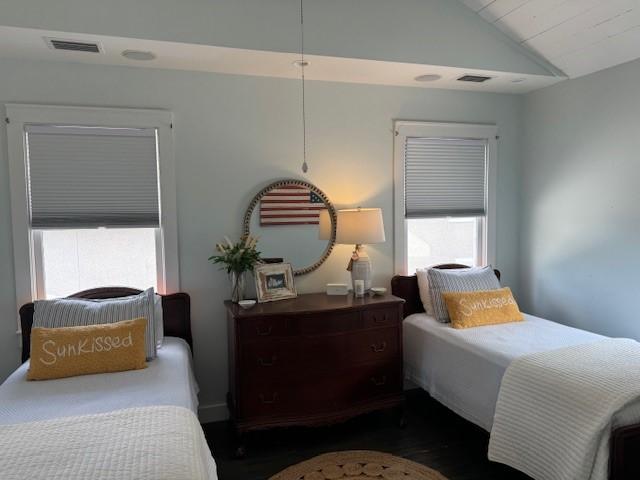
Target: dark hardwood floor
[[434, 436]]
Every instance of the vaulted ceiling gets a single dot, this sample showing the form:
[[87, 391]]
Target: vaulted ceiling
[[576, 36], [380, 42]]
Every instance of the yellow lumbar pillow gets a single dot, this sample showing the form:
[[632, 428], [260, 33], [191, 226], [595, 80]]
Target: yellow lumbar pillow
[[70, 351], [488, 307]]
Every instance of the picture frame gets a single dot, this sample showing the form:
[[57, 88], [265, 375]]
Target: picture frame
[[274, 281]]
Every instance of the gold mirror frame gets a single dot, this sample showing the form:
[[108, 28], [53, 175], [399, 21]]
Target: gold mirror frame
[[246, 227]]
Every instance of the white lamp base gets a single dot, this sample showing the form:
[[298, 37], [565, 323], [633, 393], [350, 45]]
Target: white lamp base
[[361, 270]]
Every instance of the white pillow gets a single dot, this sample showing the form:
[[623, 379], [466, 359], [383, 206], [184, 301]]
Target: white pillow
[[423, 286], [158, 320]]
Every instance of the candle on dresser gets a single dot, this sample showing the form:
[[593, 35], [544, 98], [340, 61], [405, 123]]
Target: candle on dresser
[[358, 288]]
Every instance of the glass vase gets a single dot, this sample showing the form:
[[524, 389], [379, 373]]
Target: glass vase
[[237, 286]]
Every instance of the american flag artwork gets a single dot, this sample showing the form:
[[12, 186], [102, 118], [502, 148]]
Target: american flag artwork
[[290, 205]]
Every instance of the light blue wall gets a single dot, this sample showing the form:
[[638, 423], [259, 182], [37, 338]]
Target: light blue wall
[[580, 252], [437, 32], [233, 135]]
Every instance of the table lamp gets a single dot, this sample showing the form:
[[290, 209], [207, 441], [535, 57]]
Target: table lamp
[[360, 226]]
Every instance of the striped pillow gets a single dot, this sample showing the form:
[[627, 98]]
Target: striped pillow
[[458, 280], [76, 312]]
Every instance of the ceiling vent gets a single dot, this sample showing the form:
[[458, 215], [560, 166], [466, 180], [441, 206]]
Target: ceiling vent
[[473, 78], [73, 45]]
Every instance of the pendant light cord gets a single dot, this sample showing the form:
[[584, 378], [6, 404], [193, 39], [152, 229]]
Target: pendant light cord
[[304, 115]]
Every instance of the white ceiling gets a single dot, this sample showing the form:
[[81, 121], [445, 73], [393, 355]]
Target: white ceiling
[[26, 43], [577, 36]]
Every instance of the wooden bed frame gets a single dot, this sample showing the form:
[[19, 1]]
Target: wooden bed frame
[[176, 313], [624, 456]]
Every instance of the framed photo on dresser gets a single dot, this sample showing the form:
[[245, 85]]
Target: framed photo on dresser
[[274, 282]]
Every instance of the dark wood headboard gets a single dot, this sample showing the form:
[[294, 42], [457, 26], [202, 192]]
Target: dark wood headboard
[[407, 287], [176, 313]]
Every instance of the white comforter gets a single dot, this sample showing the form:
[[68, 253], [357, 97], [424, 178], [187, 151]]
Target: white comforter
[[463, 368], [148, 443], [556, 409], [168, 380]]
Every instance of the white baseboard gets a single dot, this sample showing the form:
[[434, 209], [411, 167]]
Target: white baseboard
[[215, 412]]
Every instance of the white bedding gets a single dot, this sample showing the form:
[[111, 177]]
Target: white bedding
[[148, 443], [463, 368], [556, 409], [168, 380]]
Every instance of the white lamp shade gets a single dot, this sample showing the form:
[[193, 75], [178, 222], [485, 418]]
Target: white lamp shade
[[324, 225], [357, 226]]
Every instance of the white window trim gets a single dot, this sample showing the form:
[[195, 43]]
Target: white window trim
[[26, 246], [404, 129]]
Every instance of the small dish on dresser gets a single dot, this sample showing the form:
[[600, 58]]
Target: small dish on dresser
[[246, 304], [378, 291]]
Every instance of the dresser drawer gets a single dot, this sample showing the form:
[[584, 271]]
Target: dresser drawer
[[324, 324], [270, 356], [263, 327], [273, 357], [266, 401], [317, 394], [310, 395], [377, 381], [380, 317], [374, 345], [303, 355], [295, 356]]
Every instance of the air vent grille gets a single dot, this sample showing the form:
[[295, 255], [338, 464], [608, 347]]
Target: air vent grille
[[73, 46], [473, 78]]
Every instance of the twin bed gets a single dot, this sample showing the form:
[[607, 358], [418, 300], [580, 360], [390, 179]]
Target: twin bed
[[463, 369], [132, 424], [143, 423]]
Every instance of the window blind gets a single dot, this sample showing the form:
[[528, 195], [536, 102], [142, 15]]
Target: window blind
[[445, 177], [86, 177]]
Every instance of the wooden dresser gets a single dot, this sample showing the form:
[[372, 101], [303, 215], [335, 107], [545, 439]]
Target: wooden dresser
[[313, 360]]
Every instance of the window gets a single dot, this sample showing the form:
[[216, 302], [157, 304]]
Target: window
[[431, 241], [79, 259], [93, 199], [444, 176]]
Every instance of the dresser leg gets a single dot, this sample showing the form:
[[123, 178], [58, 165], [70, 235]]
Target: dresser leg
[[402, 417], [239, 448], [237, 441], [239, 452]]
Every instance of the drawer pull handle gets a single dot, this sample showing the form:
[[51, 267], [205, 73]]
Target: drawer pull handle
[[270, 401], [379, 348], [267, 363], [382, 319], [265, 332], [378, 382]]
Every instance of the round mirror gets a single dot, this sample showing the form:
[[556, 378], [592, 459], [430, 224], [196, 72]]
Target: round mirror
[[295, 222]]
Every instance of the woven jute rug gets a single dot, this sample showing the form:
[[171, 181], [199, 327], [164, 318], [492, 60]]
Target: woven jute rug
[[358, 464]]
